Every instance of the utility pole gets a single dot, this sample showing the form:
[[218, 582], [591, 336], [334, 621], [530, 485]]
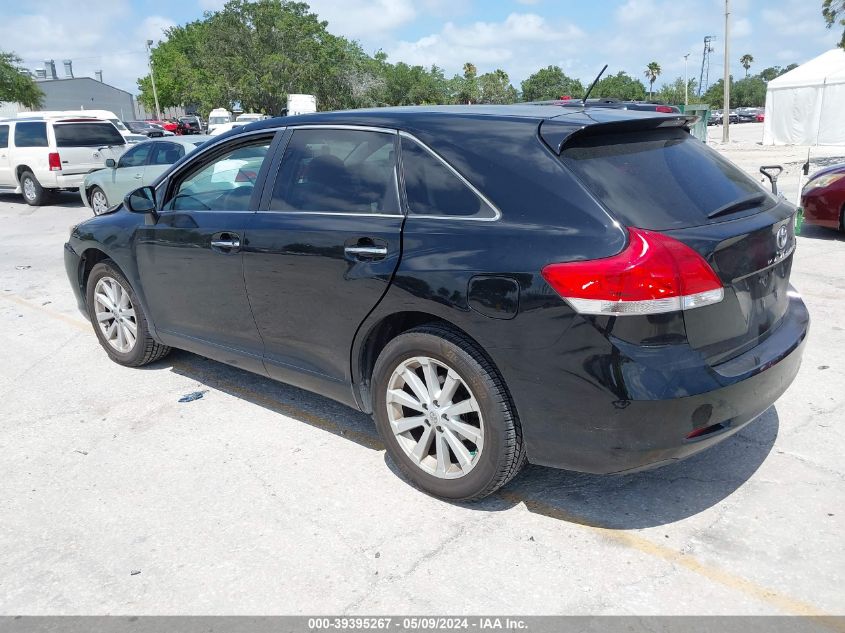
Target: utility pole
[[686, 80], [726, 111], [152, 77]]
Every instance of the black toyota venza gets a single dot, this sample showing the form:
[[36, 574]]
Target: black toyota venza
[[591, 289]]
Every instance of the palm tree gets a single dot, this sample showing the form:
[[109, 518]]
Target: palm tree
[[746, 61], [652, 72]]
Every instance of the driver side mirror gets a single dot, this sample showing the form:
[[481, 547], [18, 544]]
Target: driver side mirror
[[111, 163], [141, 200]]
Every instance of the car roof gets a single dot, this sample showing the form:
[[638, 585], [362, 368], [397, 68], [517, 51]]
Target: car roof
[[560, 122], [402, 117]]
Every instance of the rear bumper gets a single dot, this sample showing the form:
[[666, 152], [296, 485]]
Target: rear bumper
[[597, 431], [70, 181]]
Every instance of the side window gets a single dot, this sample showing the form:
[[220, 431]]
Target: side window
[[166, 153], [31, 134], [4, 136], [135, 157], [225, 184], [338, 171], [432, 188]]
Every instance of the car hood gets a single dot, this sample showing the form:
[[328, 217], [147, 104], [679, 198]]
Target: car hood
[[833, 169]]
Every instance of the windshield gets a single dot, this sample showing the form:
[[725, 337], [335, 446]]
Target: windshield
[[217, 120], [659, 179], [119, 125]]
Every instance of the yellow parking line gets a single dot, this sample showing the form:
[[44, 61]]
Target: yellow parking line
[[778, 600]]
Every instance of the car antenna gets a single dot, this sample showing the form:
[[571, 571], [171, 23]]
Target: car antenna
[[592, 85]]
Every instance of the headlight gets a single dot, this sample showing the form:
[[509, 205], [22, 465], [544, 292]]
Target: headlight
[[822, 181]]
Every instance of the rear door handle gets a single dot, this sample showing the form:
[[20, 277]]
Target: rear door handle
[[366, 252]]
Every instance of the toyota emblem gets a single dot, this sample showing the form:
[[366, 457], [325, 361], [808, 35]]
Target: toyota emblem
[[782, 237]]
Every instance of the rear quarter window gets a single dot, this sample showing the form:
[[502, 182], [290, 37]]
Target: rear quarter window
[[4, 136], [659, 179], [31, 134], [87, 135]]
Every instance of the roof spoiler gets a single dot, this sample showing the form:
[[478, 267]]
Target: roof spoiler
[[556, 133]]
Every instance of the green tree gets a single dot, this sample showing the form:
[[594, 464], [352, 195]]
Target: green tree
[[652, 72], [748, 92], [674, 92], [551, 83], [620, 86], [746, 61], [495, 87], [16, 86], [255, 53], [834, 12]]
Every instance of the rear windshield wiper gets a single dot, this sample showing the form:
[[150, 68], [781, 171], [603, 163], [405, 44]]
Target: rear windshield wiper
[[739, 205]]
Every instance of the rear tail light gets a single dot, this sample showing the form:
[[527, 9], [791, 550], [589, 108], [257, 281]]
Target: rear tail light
[[663, 108], [55, 161], [654, 274]]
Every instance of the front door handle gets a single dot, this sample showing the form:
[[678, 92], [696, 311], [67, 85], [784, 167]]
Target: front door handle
[[226, 242], [366, 252]]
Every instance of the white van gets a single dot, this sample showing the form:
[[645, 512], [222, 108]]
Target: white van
[[39, 156], [218, 116], [301, 104], [105, 115]]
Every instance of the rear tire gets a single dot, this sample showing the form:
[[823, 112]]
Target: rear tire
[[33, 193], [118, 318], [464, 454]]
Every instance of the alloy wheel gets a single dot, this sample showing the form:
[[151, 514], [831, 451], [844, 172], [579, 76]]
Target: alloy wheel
[[115, 314], [29, 189], [435, 417], [99, 204]]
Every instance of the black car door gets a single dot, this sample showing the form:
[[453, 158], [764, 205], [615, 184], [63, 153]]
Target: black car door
[[190, 260], [322, 250]]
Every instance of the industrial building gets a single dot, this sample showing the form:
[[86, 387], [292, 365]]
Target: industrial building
[[81, 93]]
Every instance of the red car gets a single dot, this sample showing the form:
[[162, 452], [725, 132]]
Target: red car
[[823, 198], [169, 126], [761, 116]]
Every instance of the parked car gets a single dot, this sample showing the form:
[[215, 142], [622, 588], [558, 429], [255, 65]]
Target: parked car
[[189, 125], [823, 198], [717, 117], [593, 290], [218, 116], [747, 115], [41, 156], [146, 128], [220, 128], [761, 115], [167, 126], [249, 117], [138, 166]]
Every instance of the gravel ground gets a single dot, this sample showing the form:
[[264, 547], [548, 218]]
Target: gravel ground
[[260, 498]]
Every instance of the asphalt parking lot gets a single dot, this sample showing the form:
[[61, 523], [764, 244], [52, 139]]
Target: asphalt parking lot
[[259, 498]]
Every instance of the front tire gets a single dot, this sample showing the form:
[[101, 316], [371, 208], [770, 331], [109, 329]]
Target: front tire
[[118, 318], [445, 416], [33, 193], [99, 201]]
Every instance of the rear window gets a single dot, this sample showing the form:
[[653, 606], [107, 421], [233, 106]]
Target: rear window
[[31, 134], [659, 180], [87, 135]]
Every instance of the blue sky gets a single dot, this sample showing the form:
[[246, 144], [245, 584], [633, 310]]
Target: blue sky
[[518, 36]]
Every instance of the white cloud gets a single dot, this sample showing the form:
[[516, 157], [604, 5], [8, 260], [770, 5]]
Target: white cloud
[[515, 44], [358, 18]]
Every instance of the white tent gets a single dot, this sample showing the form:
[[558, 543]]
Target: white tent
[[806, 106]]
